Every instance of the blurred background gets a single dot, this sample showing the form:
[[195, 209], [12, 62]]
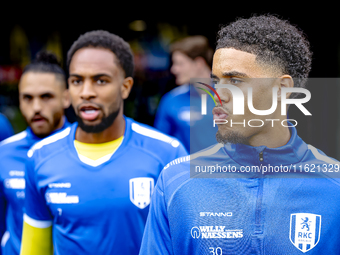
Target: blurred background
[[150, 28]]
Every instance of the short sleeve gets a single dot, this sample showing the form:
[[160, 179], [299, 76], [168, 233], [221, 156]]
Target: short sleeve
[[35, 202]]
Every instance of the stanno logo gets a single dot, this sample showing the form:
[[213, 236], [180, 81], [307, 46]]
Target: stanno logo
[[207, 232], [212, 214], [305, 229], [60, 185]]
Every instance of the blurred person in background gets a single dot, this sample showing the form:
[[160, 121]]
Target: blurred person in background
[[179, 111], [6, 129], [43, 97]]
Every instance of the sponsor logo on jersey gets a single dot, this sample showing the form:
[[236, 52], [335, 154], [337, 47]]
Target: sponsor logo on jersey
[[207, 232], [140, 191], [215, 214], [305, 229], [15, 183], [61, 198]]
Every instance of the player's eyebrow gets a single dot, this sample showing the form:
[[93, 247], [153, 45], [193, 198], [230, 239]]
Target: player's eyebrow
[[235, 73], [97, 76], [75, 75], [229, 74]]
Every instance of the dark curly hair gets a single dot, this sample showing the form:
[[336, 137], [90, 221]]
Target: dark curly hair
[[106, 40], [273, 41]]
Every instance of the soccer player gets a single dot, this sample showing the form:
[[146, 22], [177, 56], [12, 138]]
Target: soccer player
[[89, 186], [179, 111], [255, 213], [6, 129], [43, 97]]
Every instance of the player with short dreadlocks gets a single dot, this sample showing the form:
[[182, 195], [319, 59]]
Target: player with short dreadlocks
[[43, 97]]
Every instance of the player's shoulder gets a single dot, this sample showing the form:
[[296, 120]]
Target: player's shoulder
[[177, 92], [318, 156], [51, 144], [327, 167], [181, 166], [13, 140], [150, 138]]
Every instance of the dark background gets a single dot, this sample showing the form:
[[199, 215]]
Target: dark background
[[27, 29]]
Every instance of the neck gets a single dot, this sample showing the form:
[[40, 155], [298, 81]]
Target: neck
[[113, 132]]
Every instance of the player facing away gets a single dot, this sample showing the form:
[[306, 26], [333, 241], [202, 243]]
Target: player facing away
[[43, 97], [252, 212], [88, 187]]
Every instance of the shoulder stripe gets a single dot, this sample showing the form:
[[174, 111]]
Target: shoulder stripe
[[177, 161], [5, 238], [195, 155], [37, 223], [154, 134], [319, 156], [49, 140], [15, 138]]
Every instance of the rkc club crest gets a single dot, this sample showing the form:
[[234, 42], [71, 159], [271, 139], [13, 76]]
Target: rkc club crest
[[141, 190], [305, 229]]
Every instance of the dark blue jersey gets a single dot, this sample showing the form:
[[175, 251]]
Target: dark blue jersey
[[96, 206], [13, 157], [291, 207]]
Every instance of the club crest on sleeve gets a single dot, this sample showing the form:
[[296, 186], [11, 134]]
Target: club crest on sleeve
[[141, 190], [305, 229]]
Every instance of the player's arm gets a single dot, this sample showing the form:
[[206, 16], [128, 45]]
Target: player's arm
[[37, 229], [36, 240], [156, 238]]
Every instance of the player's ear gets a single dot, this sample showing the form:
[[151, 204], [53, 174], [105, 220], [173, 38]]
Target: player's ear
[[126, 87], [66, 99], [285, 81]]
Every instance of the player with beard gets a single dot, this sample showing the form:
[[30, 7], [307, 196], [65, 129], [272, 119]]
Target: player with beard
[[43, 97], [224, 207], [89, 187]]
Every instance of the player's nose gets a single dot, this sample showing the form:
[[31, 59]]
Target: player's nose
[[88, 90]]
